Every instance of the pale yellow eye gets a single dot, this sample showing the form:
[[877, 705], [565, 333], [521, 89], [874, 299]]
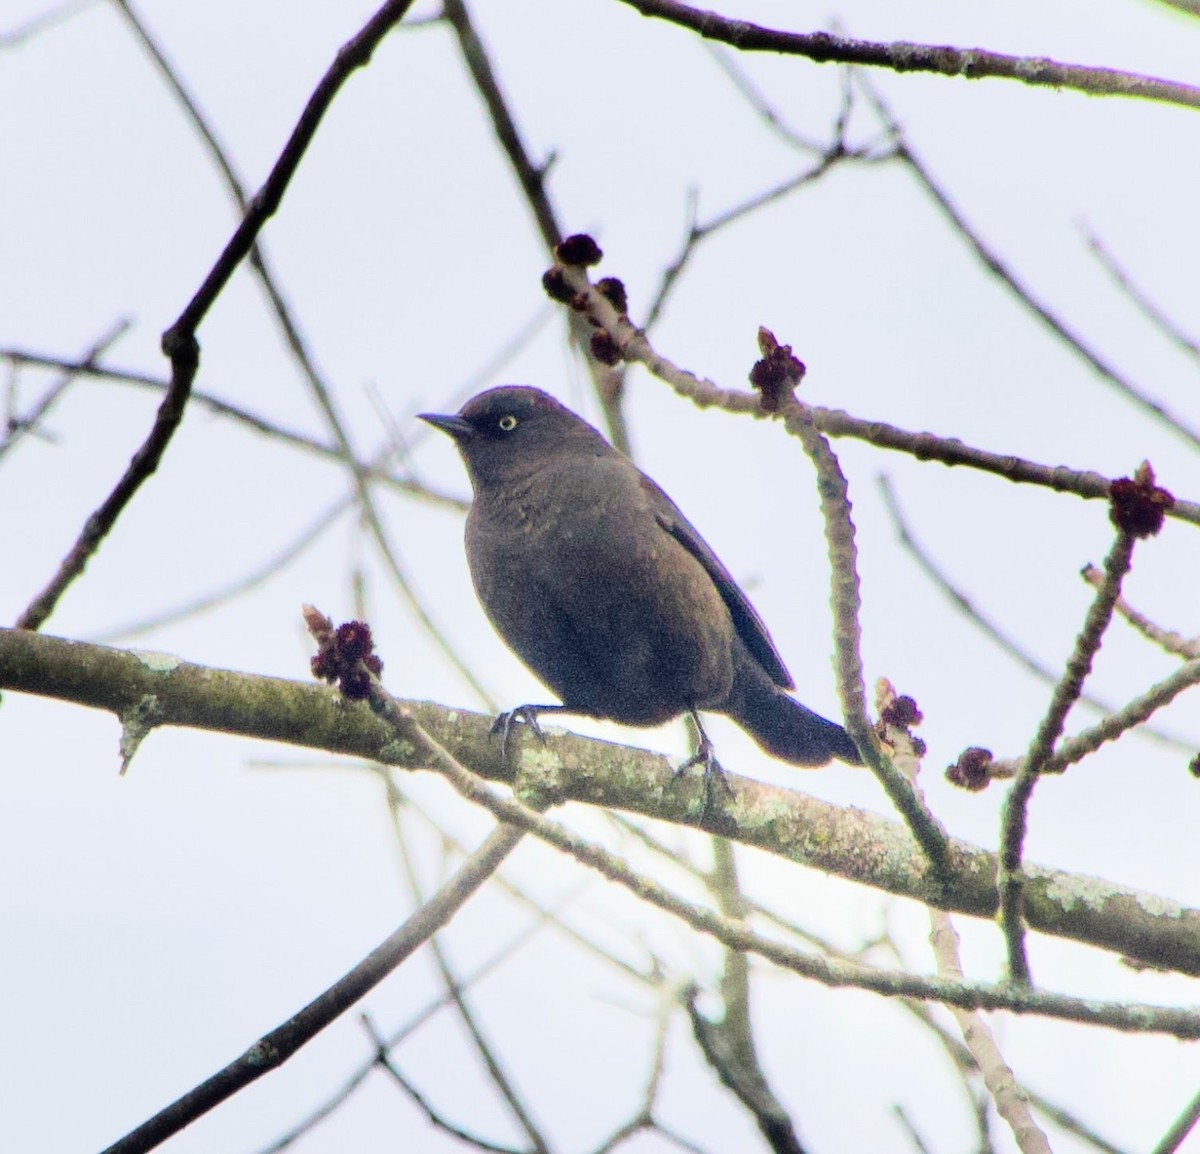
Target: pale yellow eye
[[507, 423]]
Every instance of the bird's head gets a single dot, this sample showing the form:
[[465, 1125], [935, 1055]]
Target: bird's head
[[508, 432]]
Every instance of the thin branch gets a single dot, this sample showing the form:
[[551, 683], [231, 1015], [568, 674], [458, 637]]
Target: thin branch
[[959, 1054], [1010, 1100], [355, 53], [903, 56], [532, 179], [179, 341], [394, 1039], [643, 1119], [1180, 1128], [753, 96], [909, 1127], [1102, 368], [384, 1061], [635, 346], [728, 1044], [950, 451], [185, 359], [987, 256], [989, 628], [1140, 299], [217, 153], [530, 176], [42, 22], [548, 915], [19, 426], [991, 260], [248, 582], [1015, 813], [698, 232], [454, 990], [273, 1049], [846, 599], [1167, 639], [1109, 728]]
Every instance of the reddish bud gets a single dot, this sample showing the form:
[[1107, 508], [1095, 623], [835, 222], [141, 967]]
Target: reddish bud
[[777, 373], [579, 250], [604, 348], [903, 712], [1137, 505], [973, 769], [556, 286], [613, 291], [345, 655]]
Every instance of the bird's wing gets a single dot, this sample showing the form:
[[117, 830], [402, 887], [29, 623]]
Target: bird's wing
[[746, 621]]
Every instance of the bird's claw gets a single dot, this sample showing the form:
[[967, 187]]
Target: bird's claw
[[528, 714], [714, 775]]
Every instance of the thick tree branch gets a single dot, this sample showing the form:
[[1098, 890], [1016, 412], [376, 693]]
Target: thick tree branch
[[850, 843]]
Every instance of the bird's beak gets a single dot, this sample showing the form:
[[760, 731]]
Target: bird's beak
[[450, 424]]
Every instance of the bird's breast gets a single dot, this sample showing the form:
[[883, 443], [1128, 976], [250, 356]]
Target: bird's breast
[[583, 583]]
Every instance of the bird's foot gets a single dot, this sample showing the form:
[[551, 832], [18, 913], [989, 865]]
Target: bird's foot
[[714, 775], [528, 715]]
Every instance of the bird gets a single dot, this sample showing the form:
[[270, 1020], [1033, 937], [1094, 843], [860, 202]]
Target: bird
[[598, 583]]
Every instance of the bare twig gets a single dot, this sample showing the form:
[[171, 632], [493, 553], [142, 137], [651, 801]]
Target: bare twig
[[547, 915], [1122, 720], [992, 261], [1180, 1128], [354, 54], [753, 96], [1008, 1096], [275, 1048], [179, 341], [1167, 639], [643, 1118], [1013, 821], [635, 346], [698, 232], [42, 22], [1102, 368], [833, 490], [385, 1062], [397, 1036], [919, 1143], [988, 627], [902, 56], [959, 1054], [1145, 305], [19, 425], [728, 1044], [532, 179], [455, 992], [258, 576]]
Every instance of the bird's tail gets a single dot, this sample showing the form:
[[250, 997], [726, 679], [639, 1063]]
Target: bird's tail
[[781, 725]]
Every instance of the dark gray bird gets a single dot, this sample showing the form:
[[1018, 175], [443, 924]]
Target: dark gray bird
[[602, 587]]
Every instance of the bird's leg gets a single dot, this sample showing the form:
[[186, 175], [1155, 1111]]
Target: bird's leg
[[526, 713], [714, 775]]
